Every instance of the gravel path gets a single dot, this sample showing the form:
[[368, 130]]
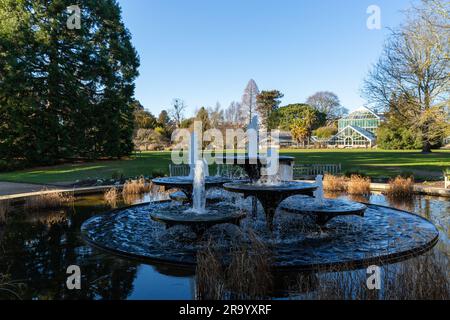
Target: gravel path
[[10, 188]]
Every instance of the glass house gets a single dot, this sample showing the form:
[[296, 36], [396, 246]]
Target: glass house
[[357, 130]]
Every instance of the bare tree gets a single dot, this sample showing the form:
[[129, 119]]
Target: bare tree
[[248, 105], [216, 116], [329, 104], [233, 114], [177, 111], [435, 13], [414, 64]]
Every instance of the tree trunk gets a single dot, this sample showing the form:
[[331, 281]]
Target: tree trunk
[[426, 147]]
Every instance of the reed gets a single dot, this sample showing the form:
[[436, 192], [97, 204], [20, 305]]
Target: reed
[[9, 289], [246, 275], [401, 188], [52, 200], [358, 185], [334, 183], [136, 187], [210, 280], [111, 197], [421, 278]]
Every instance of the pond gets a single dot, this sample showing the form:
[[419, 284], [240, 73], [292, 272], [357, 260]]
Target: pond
[[37, 247]]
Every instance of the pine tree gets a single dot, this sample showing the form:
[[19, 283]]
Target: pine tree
[[267, 103], [67, 93]]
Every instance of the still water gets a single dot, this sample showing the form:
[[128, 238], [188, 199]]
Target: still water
[[37, 247]]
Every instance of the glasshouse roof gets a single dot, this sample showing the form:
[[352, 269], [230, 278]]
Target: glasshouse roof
[[362, 113]]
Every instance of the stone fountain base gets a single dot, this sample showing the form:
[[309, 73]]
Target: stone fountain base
[[323, 213], [199, 223], [385, 235]]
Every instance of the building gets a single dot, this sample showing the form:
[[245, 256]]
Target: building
[[357, 130]]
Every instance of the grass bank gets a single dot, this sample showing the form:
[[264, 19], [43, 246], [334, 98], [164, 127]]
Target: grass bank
[[374, 163]]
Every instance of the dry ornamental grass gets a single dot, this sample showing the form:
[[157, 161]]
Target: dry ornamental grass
[[358, 185]]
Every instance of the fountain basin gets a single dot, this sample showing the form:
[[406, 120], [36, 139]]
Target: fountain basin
[[270, 196], [199, 223], [385, 235], [185, 184], [323, 213]]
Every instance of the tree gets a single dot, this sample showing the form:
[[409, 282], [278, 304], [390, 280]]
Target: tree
[[267, 103], [177, 111], [248, 105], [299, 131], [233, 114], [164, 120], [414, 64], [285, 116], [325, 132], [142, 118], [203, 117], [165, 124], [216, 116], [65, 93], [328, 103], [394, 133]]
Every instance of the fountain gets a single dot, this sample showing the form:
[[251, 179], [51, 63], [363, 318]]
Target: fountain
[[269, 190], [168, 232], [322, 210], [198, 217], [199, 194], [185, 183]]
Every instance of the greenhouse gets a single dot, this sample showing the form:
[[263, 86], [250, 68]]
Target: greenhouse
[[363, 118], [357, 130], [353, 137]]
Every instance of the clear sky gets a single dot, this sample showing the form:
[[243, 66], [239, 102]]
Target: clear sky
[[205, 51]]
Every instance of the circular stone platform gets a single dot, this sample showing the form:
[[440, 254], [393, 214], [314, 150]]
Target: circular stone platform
[[384, 235], [185, 184], [271, 195], [323, 213], [181, 215]]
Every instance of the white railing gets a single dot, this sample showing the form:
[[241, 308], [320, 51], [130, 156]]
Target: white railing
[[312, 170]]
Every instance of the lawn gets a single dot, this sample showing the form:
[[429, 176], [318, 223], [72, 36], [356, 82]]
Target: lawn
[[372, 163]]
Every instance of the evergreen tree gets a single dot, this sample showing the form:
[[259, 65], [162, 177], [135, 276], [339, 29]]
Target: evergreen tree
[[65, 93], [267, 103]]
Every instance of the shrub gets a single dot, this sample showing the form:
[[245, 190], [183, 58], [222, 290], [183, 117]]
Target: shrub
[[358, 185], [111, 196], [4, 166], [401, 188], [325, 132], [117, 175], [51, 200], [136, 187], [157, 173], [397, 138], [334, 183], [349, 173]]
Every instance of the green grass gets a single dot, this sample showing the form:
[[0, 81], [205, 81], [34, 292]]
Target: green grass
[[372, 163]]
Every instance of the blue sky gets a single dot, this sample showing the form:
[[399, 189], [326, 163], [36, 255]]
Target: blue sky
[[205, 51]]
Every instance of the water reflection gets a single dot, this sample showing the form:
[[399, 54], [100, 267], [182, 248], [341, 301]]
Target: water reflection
[[37, 248]]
